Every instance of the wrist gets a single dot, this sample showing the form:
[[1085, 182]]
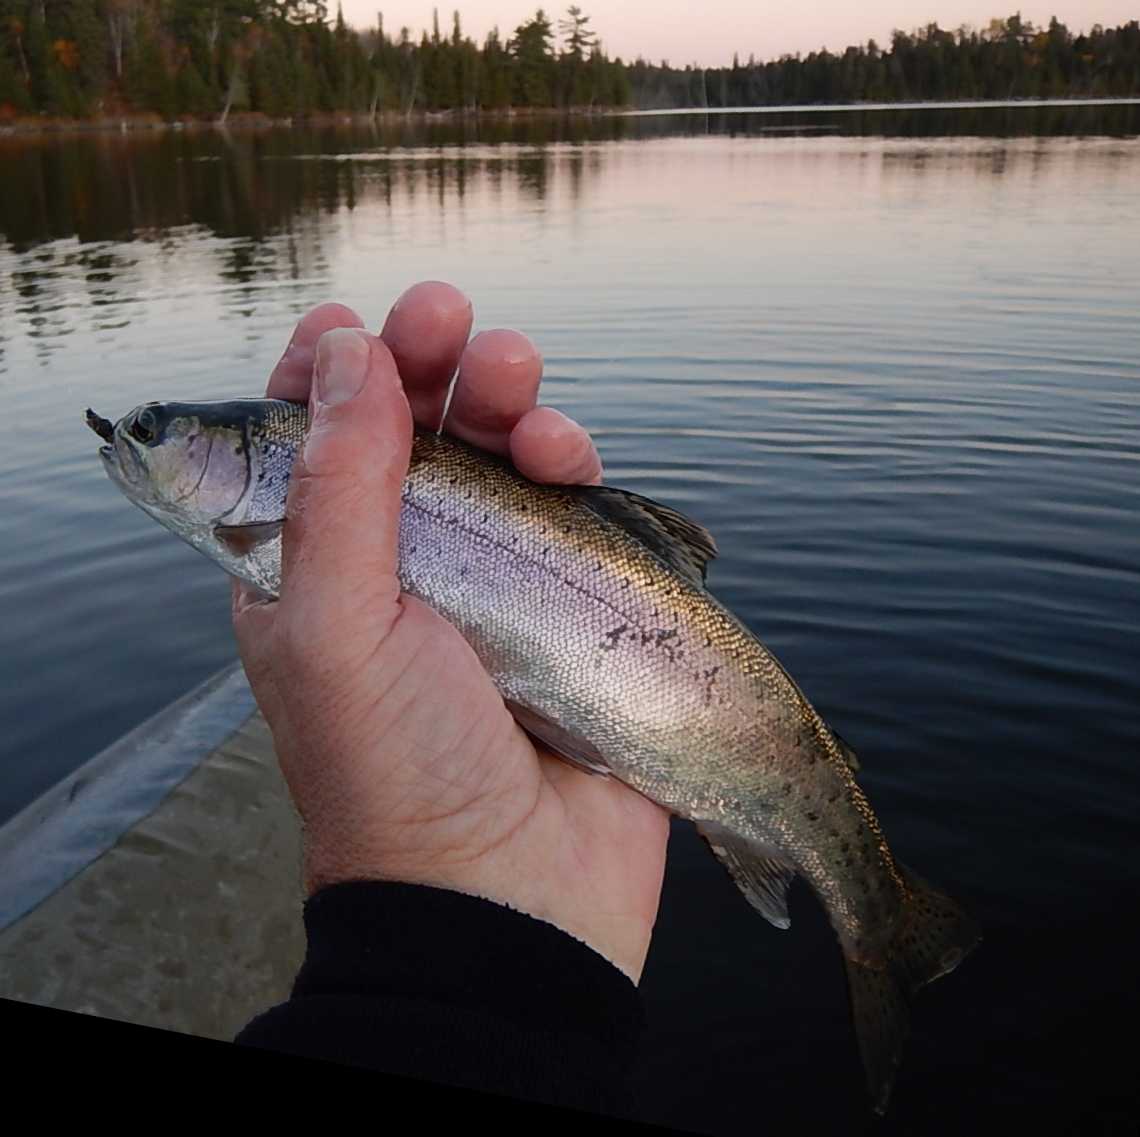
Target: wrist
[[621, 940]]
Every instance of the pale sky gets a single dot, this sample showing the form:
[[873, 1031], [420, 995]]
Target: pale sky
[[682, 31]]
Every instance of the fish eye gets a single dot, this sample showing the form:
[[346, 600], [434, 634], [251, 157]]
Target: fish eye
[[144, 428]]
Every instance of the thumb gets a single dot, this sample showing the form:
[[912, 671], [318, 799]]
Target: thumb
[[341, 535]]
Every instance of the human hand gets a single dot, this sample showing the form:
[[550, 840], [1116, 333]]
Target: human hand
[[401, 757]]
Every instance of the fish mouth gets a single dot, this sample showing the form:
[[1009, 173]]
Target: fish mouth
[[103, 427], [111, 453]]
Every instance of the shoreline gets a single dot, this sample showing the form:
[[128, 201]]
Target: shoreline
[[130, 123], [246, 121]]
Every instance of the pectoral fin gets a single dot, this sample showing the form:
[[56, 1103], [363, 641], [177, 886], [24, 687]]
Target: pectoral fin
[[577, 751], [760, 873], [243, 539]]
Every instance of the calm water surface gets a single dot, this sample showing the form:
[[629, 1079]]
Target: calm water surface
[[892, 362]]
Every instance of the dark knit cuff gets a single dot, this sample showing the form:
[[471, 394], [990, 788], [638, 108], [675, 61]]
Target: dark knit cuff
[[436, 984]]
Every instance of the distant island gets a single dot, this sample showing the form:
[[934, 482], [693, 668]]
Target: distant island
[[68, 61]]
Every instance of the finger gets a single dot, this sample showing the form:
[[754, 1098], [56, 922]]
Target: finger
[[426, 331], [499, 374], [339, 545], [293, 375], [546, 446]]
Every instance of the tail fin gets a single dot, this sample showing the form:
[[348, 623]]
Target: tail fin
[[932, 938]]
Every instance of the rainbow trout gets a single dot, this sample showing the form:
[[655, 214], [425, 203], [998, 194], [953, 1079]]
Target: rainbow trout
[[588, 607]]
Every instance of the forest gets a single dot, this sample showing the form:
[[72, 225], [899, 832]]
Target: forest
[[284, 59]]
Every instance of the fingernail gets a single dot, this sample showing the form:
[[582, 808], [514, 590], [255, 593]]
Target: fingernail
[[341, 366]]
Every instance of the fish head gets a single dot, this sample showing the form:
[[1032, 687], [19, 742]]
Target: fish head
[[215, 474], [183, 471]]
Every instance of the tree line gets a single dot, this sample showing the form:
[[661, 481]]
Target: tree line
[[292, 58], [1010, 59], [284, 58]]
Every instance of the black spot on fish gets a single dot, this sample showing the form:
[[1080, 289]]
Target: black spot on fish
[[614, 636]]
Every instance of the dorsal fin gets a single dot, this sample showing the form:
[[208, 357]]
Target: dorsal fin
[[671, 536]]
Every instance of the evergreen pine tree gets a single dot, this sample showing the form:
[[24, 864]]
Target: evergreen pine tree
[[531, 48]]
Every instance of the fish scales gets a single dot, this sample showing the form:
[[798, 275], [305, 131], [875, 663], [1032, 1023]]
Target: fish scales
[[587, 606], [576, 619]]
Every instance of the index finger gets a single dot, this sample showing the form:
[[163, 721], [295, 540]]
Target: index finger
[[292, 378]]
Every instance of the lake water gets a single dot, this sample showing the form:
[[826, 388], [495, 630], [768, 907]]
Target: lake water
[[892, 360]]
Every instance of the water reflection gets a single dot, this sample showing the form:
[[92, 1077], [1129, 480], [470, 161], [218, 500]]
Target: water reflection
[[114, 187], [107, 187]]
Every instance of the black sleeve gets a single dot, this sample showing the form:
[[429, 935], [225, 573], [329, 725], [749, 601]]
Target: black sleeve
[[427, 983]]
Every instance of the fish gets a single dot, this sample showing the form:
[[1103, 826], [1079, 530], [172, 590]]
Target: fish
[[589, 608]]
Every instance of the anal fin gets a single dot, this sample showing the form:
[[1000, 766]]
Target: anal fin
[[759, 872], [577, 751]]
